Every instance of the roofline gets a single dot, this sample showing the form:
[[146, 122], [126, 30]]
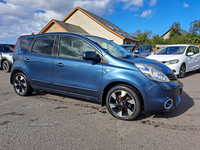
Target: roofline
[[49, 24], [169, 30], [78, 8], [165, 33], [133, 40]]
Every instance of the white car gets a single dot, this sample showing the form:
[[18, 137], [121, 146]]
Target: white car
[[180, 58]]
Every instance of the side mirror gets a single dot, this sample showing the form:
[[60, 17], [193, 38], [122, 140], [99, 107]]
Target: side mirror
[[190, 53], [136, 51], [91, 56]]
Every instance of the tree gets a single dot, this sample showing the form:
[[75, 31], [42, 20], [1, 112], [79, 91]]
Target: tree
[[156, 39], [195, 27], [144, 38], [175, 30]]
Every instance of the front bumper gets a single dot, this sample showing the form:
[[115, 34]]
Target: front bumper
[[156, 94], [175, 68]]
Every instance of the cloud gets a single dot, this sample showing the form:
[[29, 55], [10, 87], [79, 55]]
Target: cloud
[[134, 9], [152, 2], [130, 3], [146, 13], [185, 5], [25, 16]]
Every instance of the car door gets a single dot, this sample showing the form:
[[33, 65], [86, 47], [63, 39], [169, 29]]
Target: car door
[[0, 55], [72, 74], [39, 63], [190, 59], [145, 51], [196, 58]]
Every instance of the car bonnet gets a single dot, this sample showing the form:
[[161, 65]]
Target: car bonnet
[[152, 63]]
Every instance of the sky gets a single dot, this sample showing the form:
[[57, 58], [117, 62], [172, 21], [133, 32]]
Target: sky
[[22, 17]]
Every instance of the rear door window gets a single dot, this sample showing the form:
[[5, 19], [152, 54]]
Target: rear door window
[[24, 45], [43, 45]]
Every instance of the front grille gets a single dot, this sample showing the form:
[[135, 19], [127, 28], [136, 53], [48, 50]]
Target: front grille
[[172, 77]]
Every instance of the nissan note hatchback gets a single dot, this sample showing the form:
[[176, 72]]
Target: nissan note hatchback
[[94, 68]]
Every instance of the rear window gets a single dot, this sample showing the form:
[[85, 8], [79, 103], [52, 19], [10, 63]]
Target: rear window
[[24, 45], [6, 48]]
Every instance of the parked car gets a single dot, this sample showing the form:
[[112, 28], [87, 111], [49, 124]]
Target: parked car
[[6, 56], [139, 51], [180, 58], [94, 68], [130, 47]]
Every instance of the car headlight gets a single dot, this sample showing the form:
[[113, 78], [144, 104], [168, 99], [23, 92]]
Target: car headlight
[[152, 73], [171, 62]]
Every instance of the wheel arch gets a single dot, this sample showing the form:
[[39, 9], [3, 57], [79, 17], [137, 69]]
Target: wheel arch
[[13, 74], [112, 84], [186, 69]]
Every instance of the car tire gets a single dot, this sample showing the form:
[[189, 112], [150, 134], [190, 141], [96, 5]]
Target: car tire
[[182, 71], [123, 102], [198, 70], [21, 85], [6, 66]]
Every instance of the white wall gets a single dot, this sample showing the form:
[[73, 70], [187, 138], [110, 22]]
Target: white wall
[[93, 28]]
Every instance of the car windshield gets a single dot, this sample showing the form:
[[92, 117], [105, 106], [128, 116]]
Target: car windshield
[[128, 48], [171, 50], [145, 48], [111, 48]]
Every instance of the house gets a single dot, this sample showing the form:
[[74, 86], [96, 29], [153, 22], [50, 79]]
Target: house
[[167, 34], [83, 21]]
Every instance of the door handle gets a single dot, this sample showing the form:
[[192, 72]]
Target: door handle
[[27, 60], [59, 65]]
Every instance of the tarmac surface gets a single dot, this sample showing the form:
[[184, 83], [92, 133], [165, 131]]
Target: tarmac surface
[[51, 121]]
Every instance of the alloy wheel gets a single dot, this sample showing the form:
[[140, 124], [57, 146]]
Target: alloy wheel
[[6, 66], [20, 84], [182, 71], [122, 103]]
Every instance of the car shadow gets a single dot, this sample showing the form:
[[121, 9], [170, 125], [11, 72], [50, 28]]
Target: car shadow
[[186, 103], [189, 74]]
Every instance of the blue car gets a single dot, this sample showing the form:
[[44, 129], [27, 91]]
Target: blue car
[[139, 51], [94, 68]]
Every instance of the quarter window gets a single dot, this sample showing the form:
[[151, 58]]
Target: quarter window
[[24, 45], [43, 45], [71, 47]]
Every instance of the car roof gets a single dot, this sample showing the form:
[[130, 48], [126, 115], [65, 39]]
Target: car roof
[[60, 33], [178, 45]]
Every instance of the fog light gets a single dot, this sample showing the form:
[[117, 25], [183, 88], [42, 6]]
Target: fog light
[[168, 104]]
